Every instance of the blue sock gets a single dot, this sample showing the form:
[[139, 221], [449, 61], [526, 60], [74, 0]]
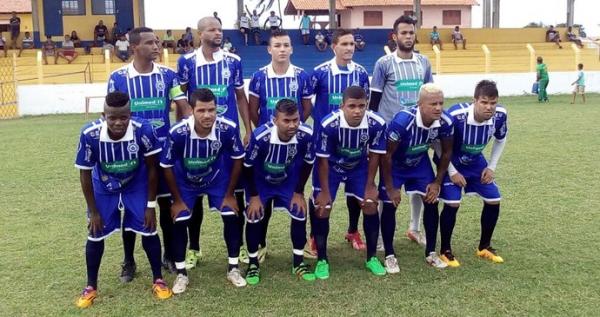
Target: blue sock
[[371, 228], [447, 222], [179, 244], [298, 235], [388, 226], [128, 246], [253, 236], [93, 257], [353, 213], [321, 231], [151, 245], [231, 233], [431, 220], [489, 218]]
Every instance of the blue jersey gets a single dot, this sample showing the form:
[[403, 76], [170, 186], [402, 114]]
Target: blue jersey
[[222, 76], [470, 136], [202, 161], [414, 138], [269, 88], [277, 163], [328, 82], [117, 165], [150, 93], [347, 147]]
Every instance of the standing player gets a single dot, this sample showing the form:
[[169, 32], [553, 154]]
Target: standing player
[[221, 72], [407, 163], [151, 87], [329, 80], [196, 165], [395, 87], [543, 79], [278, 162], [349, 145], [117, 163], [474, 126]]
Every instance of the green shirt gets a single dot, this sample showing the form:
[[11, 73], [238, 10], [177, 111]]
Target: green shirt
[[580, 79], [542, 71]]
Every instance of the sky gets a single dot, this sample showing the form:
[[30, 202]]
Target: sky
[[513, 13]]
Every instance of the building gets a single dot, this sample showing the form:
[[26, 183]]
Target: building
[[23, 10]]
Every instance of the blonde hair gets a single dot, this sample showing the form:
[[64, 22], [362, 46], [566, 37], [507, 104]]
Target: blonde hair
[[430, 89]]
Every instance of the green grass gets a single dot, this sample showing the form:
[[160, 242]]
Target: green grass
[[547, 233]]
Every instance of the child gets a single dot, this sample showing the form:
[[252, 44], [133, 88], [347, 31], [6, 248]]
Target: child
[[579, 84]]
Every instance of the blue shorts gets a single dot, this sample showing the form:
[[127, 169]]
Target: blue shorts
[[215, 193], [415, 179], [131, 202], [354, 180], [452, 194], [282, 201]]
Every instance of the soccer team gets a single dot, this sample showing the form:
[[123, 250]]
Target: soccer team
[[132, 160]]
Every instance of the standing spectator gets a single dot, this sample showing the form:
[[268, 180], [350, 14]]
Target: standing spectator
[[189, 37], [542, 79], [27, 43], [245, 27], [274, 22], [100, 32], [216, 15], [15, 29], [169, 41], [115, 33], [3, 44], [122, 48], [434, 38], [553, 36], [68, 50], [571, 37], [359, 40], [49, 49], [75, 38], [579, 84], [305, 27], [183, 46], [255, 26], [457, 37]]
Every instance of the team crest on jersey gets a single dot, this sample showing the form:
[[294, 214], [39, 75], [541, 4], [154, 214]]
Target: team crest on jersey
[[433, 133], [216, 145], [160, 85], [226, 73], [292, 151], [104, 178], [132, 148], [293, 85], [364, 137]]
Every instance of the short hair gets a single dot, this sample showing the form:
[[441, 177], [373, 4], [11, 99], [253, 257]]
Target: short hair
[[287, 106], [430, 88], [339, 33], [135, 37], [278, 33], [486, 88], [202, 95], [116, 99], [580, 66], [540, 59], [354, 92], [403, 19]]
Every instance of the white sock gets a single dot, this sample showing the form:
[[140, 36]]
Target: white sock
[[416, 210]]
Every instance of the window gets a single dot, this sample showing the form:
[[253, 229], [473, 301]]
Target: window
[[373, 18], [73, 7], [451, 17], [103, 7]]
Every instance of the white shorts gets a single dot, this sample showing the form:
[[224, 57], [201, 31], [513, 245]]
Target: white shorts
[[305, 31], [579, 89]]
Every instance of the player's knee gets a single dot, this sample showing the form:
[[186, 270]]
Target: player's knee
[[324, 214], [493, 203], [453, 205], [369, 209]]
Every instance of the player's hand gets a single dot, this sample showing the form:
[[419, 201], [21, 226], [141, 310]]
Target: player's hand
[[96, 224], [459, 180], [176, 208], [432, 193], [371, 197], [255, 208], [150, 219], [231, 202], [487, 176], [394, 195], [300, 203], [323, 204], [246, 139]]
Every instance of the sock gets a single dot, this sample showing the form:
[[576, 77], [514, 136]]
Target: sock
[[447, 222], [128, 245], [353, 213], [93, 256], [194, 225], [265, 221], [166, 224], [431, 219], [231, 234], [371, 228], [253, 235], [179, 243], [180, 268], [311, 216], [321, 231], [388, 226], [239, 197], [151, 245], [298, 235], [489, 218], [416, 206]]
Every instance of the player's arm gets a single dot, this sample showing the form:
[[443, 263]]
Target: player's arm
[[183, 108], [377, 84], [85, 178], [371, 188], [298, 197], [487, 175], [243, 107], [253, 156], [150, 215], [323, 199], [386, 172], [253, 102], [306, 108], [433, 189]]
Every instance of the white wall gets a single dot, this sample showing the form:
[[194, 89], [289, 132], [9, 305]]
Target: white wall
[[52, 99]]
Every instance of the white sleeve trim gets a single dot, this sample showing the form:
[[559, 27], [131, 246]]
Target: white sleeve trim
[[308, 97], [376, 89], [180, 97], [378, 151], [152, 152], [253, 93], [323, 155], [163, 165], [81, 167], [310, 162], [497, 149], [239, 156], [248, 165], [239, 87]]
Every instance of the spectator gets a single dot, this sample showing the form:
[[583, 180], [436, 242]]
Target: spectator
[[553, 36], [15, 29], [543, 79], [391, 43], [245, 27], [127, 33], [169, 41], [320, 42], [183, 46], [216, 15], [305, 28], [359, 40], [274, 22], [100, 32], [107, 46], [75, 38], [49, 49], [68, 50], [228, 46], [27, 43], [189, 37], [434, 38], [3, 45], [571, 37], [579, 84], [115, 33], [255, 26], [457, 37], [122, 48]]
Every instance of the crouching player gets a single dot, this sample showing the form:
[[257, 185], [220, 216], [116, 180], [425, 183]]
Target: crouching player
[[407, 163], [278, 162], [196, 165], [117, 162], [474, 126], [348, 147]]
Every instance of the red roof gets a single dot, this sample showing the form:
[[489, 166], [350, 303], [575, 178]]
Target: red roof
[[301, 5], [19, 6]]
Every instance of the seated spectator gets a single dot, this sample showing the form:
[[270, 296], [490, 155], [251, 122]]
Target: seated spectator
[[228, 46], [100, 33], [3, 44], [457, 37], [553, 36], [359, 40], [183, 46], [169, 41], [571, 37], [122, 48], [115, 33], [189, 37], [107, 46], [434, 38], [245, 27], [68, 50], [49, 49], [127, 34], [75, 38], [320, 42], [27, 43]]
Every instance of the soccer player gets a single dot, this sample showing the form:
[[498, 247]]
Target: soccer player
[[221, 72], [349, 144], [278, 162], [196, 165], [329, 80], [475, 124], [117, 157], [542, 78], [407, 163], [395, 87], [151, 88]]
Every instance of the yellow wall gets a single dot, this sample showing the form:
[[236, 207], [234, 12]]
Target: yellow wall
[[491, 36], [26, 21]]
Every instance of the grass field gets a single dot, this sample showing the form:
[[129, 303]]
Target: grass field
[[547, 233]]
